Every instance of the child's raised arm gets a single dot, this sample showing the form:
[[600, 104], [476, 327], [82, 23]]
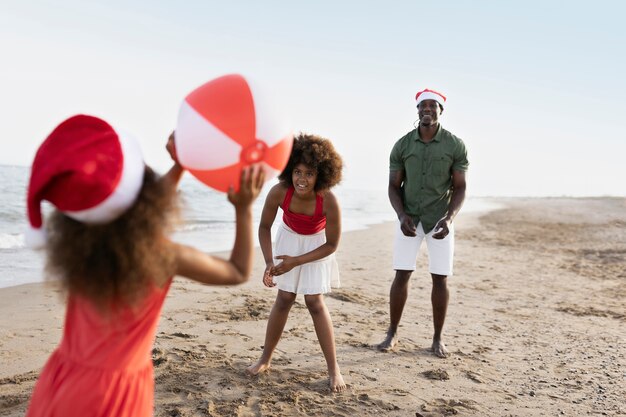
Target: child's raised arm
[[173, 176], [201, 267]]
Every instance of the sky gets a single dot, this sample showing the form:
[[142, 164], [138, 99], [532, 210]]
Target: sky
[[535, 89]]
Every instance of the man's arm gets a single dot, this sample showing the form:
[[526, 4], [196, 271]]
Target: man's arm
[[456, 201], [396, 178]]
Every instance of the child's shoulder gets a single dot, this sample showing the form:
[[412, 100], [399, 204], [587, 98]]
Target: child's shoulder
[[281, 187], [330, 204], [277, 192], [328, 196]]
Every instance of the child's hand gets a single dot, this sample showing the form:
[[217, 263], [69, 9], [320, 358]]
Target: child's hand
[[287, 264], [171, 148], [251, 182], [268, 280], [176, 171]]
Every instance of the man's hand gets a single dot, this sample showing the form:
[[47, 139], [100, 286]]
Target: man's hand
[[442, 228], [407, 226]]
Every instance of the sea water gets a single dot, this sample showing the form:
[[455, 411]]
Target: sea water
[[208, 219]]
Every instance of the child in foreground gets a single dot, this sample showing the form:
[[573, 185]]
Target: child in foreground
[[107, 243], [305, 245]]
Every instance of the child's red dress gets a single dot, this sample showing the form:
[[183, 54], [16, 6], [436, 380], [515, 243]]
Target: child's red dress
[[103, 366]]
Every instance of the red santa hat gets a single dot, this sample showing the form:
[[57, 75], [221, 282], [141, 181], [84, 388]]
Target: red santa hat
[[429, 95], [87, 170]]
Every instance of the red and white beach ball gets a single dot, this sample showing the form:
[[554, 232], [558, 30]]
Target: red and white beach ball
[[227, 124]]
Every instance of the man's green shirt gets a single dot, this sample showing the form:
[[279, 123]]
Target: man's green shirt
[[427, 186]]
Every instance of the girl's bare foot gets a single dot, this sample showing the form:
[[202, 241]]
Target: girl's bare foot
[[336, 383], [257, 368]]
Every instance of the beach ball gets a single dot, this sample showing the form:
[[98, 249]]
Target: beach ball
[[227, 124]]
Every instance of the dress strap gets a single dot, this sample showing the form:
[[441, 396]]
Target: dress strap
[[287, 199], [319, 206]]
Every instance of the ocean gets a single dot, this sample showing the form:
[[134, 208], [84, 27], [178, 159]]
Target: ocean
[[208, 219]]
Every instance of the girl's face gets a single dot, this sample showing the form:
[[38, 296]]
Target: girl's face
[[304, 178]]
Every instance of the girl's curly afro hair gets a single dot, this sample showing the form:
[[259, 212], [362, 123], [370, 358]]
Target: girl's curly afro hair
[[318, 153], [115, 263]]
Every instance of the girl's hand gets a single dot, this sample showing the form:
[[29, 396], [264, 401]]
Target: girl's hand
[[173, 176], [250, 185], [171, 148], [287, 264], [268, 281]]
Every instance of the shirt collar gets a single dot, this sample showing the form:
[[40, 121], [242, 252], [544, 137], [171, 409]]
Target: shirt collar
[[436, 138]]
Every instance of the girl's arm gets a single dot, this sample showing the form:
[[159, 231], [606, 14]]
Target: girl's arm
[[173, 176], [201, 267], [333, 232], [270, 208]]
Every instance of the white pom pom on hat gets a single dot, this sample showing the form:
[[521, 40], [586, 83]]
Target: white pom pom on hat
[[429, 95], [87, 170]]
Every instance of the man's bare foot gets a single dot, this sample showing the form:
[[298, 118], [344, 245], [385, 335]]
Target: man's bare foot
[[336, 383], [389, 342], [439, 349], [258, 368]]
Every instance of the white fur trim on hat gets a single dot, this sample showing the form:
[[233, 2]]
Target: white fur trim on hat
[[35, 238], [430, 95]]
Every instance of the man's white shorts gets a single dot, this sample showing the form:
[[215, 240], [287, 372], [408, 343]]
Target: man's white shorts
[[440, 251]]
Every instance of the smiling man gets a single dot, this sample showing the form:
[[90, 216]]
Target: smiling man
[[426, 189]]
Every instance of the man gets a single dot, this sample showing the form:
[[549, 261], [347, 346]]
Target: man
[[426, 189]]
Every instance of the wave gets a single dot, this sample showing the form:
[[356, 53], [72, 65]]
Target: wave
[[205, 225], [11, 241]]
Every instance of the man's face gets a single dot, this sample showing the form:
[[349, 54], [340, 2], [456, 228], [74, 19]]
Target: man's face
[[428, 112]]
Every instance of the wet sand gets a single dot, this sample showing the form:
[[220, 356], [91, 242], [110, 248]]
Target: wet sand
[[536, 326]]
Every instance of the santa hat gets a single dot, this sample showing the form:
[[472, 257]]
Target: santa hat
[[430, 95], [87, 170]]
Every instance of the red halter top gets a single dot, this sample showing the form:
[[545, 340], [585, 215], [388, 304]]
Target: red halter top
[[301, 223]]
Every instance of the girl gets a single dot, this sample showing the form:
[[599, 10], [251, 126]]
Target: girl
[[305, 243], [107, 243]]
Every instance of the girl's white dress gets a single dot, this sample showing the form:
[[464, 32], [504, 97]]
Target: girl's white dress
[[311, 278]]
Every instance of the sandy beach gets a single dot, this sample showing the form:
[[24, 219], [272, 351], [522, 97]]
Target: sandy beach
[[536, 326]]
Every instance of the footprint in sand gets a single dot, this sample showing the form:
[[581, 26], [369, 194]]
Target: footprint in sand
[[346, 296], [158, 357], [437, 374], [441, 407], [399, 392], [385, 405], [184, 335], [9, 401], [474, 376], [18, 379], [481, 349]]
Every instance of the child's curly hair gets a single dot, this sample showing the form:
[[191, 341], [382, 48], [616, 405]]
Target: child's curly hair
[[114, 264], [318, 153]]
